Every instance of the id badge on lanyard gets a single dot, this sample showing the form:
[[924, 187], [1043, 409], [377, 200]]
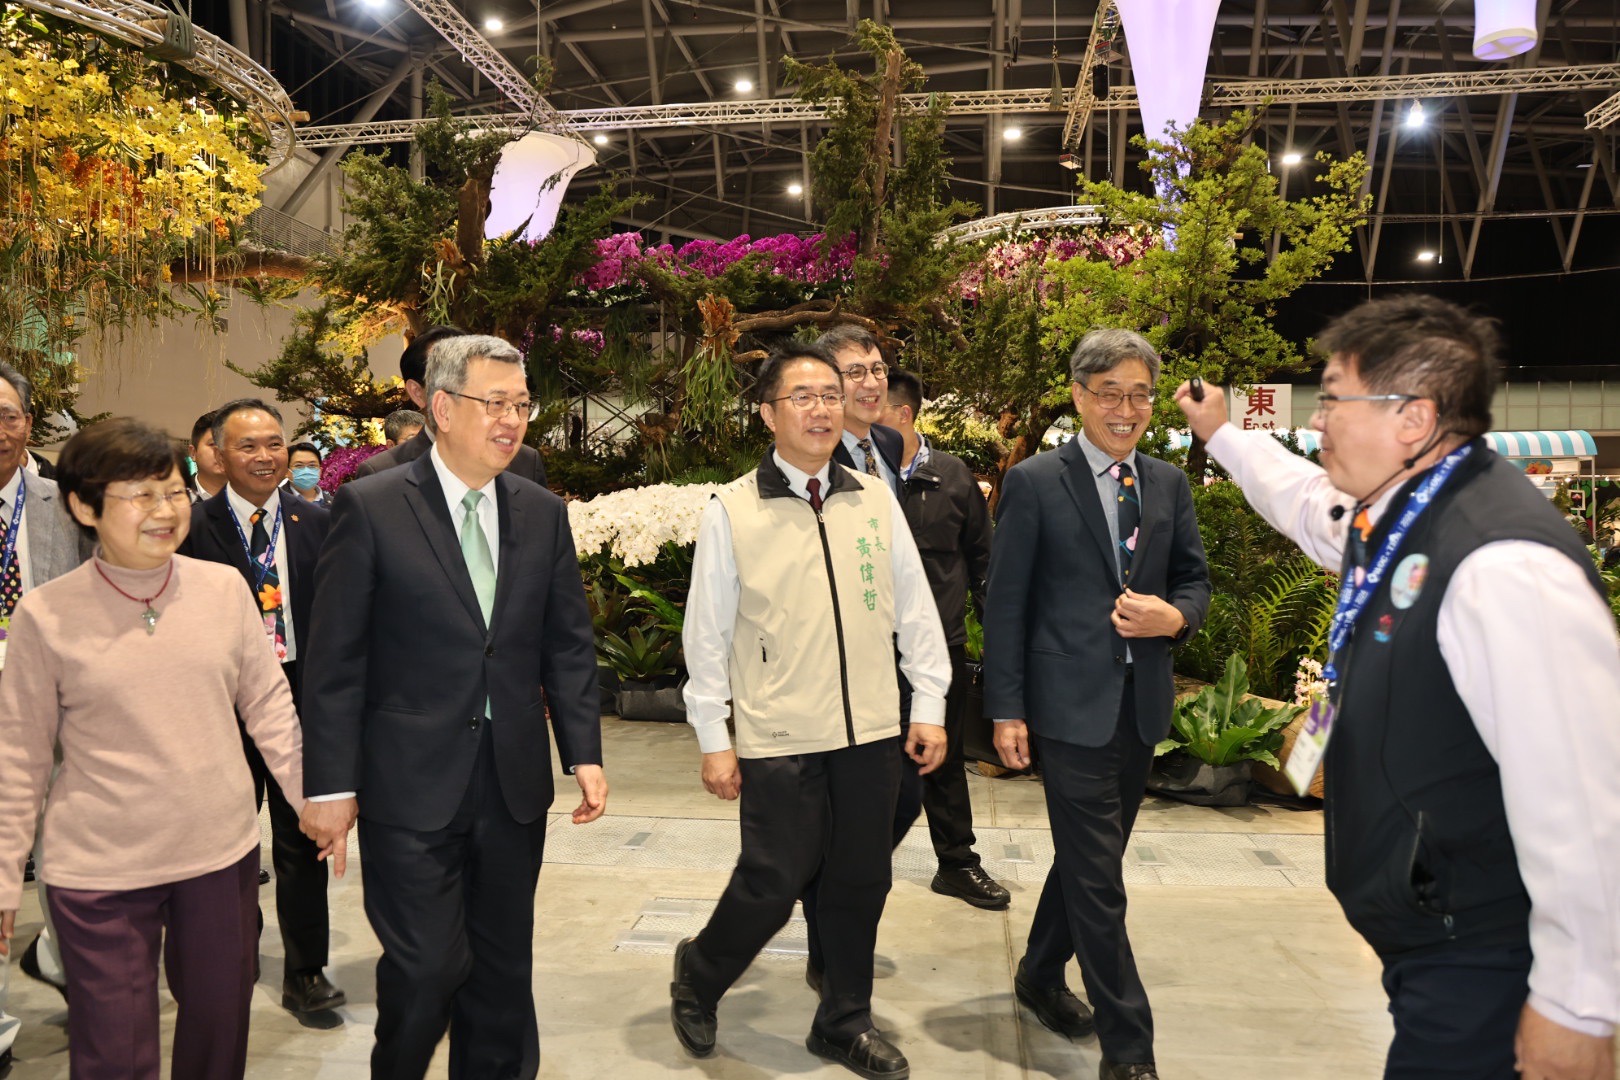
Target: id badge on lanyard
[[1311, 745]]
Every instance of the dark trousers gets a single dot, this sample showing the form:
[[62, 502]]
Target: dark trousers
[[1456, 1013], [1092, 795], [110, 942], [798, 813], [301, 876], [454, 911]]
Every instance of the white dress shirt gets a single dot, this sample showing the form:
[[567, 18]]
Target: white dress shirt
[[711, 619], [244, 512], [8, 506], [455, 491], [1533, 653]]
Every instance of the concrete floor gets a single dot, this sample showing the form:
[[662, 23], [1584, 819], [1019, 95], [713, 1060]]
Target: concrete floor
[[1251, 969]]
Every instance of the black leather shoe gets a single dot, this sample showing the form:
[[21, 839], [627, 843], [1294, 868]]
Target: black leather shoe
[[29, 962], [310, 992], [812, 977], [973, 885], [1054, 1007], [264, 877], [1127, 1070], [693, 1021], [868, 1054]]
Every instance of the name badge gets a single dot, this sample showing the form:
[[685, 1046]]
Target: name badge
[[1306, 756]]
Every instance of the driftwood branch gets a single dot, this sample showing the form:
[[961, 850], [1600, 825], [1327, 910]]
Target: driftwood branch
[[250, 264]]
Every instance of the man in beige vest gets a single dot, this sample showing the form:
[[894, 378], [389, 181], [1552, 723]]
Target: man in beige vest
[[804, 578]]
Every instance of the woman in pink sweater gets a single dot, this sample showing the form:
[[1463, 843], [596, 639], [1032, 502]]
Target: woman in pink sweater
[[136, 666]]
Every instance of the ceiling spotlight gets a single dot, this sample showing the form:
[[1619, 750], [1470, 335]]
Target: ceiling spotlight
[[600, 139], [1425, 256], [494, 25], [1415, 116], [745, 86], [795, 189], [1013, 134], [1293, 157], [376, 5]]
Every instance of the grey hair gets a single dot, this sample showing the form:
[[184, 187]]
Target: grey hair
[[1104, 350], [19, 382], [448, 359]]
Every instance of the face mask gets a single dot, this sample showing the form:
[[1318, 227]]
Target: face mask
[[306, 476]]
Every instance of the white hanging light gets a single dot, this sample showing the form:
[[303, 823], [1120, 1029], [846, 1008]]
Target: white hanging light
[[1504, 28], [1169, 42], [530, 183]]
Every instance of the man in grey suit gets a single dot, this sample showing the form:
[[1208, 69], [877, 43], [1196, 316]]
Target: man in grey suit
[[1097, 570], [38, 542], [413, 369]]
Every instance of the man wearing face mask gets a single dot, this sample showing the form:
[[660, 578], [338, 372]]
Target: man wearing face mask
[[304, 473], [273, 538]]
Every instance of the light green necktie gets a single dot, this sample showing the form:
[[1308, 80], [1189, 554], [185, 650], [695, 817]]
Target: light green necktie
[[475, 552]]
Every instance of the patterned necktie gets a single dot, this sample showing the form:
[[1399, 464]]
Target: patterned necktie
[[1130, 517], [871, 456], [475, 550], [270, 606], [11, 584], [813, 486]]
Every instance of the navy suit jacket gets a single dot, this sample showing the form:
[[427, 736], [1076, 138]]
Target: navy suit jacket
[[1051, 656], [213, 537], [891, 447], [401, 661]]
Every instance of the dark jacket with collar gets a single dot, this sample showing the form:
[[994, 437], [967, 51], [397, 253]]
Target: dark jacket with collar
[[951, 524], [213, 538], [890, 444], [526, 463], [1051, 654], [401, 662]]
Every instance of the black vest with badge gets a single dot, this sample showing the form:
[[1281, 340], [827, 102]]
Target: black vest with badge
[[1418, 849]]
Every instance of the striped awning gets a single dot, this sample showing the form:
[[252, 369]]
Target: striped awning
[[1530, 444]]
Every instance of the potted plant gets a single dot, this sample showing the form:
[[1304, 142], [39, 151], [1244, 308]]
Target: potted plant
[[1215, 737], [645, 659]]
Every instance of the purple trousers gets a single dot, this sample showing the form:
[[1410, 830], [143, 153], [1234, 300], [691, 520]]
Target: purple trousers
[[209, 935]]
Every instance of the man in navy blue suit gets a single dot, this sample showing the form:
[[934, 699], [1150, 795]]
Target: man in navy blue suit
[[273, 537]]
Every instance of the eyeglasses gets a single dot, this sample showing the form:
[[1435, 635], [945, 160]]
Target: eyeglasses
[[12, 420], [1325, 401], [147, 501], [500, 408], [1113, 399], [804, 399], [858, 372]]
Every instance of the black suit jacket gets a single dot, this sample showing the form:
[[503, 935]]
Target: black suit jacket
[[213, 537], [1051, 655], [527, 463], [891, 447], [401, 662]]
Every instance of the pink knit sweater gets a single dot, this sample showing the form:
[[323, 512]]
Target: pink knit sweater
[[154, 786]]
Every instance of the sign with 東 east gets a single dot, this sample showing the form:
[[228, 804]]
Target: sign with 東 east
[[1266, 407]]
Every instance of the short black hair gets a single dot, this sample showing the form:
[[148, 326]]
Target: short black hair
[[413, 361], [204, 424], [1423, 345], [906, 388], [768, 380], [848, 336], [118, 449], [307, 447], [231, 408], [400, 419]]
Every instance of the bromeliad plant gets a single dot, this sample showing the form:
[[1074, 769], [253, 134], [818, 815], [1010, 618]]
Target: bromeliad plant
[[1223, 725]]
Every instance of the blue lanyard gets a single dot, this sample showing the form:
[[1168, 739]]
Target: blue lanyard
[[10, 551], [261, 570], [1353, 598]]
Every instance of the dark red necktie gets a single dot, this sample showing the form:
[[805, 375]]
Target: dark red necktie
[[813, 485]]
